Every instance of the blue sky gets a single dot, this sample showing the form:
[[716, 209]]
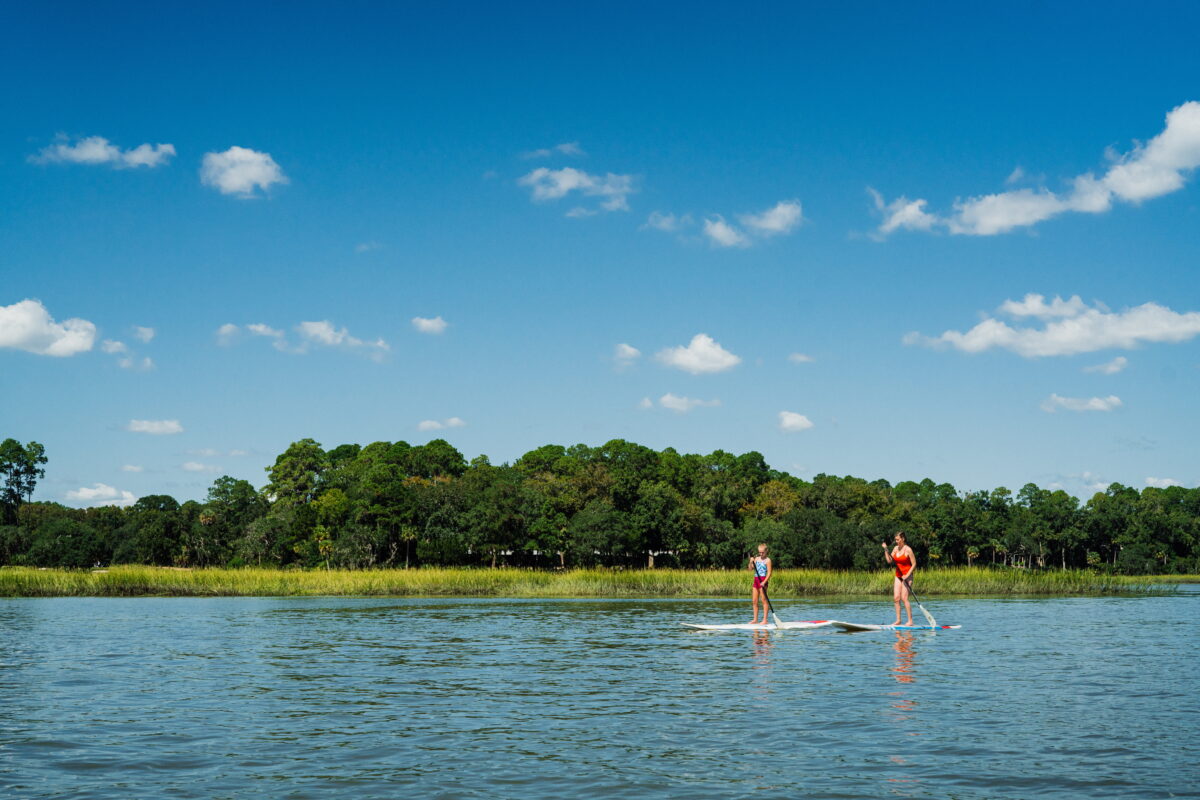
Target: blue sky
[[883, 241]]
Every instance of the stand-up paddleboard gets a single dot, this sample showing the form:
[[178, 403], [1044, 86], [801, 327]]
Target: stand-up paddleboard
[[854, 626], [762, 626]]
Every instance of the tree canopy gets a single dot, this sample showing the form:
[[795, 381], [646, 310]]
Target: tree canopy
[[619, 504]]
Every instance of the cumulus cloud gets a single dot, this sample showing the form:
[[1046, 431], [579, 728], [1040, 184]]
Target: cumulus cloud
[[626, 354], [792, 422], [667, 223], [156, 427], [143, 334], [1162, 483], [324, 333], [430, 325], [240, 171], [132, 468], [901, 214], [721, 234], [196, 466], [227, 333], [800, 358], [564, 149], [784, 217], [1055, 402], [367, 247], [554, 184], [1073, 327], [701, 356], [28, 326], [1109, 367], [321, 333], [112, 347], [95, 150], [437, 425], [1158, 167], [646, 403], [682, 405], [143, 364], [101, 494]]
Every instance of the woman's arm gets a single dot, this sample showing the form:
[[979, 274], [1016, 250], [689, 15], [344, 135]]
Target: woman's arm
[[886, 553]]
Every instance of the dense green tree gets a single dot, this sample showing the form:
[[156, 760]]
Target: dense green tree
[[21, 467]]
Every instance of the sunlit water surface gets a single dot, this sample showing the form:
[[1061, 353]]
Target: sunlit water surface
[[358, 698]]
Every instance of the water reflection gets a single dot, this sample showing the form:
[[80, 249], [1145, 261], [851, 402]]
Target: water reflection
[[902, 710]]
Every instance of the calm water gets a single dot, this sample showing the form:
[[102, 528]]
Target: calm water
[[349, 698]]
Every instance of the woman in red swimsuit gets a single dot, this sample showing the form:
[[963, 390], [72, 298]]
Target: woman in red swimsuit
[[903, 559]]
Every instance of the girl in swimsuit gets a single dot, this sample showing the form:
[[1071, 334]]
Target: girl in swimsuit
[[905, 561], [760, 565]]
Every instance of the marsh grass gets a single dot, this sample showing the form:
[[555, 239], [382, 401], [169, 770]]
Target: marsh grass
[[136, 581]]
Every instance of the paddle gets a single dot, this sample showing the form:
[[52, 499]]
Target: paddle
[[778, 623], [928, 617]]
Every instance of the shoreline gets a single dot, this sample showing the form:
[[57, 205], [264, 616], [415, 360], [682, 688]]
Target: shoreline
[[143, 581]]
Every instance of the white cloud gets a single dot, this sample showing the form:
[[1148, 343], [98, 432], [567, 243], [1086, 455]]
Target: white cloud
[[667, 223], [1077, 329], [206, 452], [566, 149], [196, 466], [141, 364], [367, 247], [682, 405], [721, 234], [1055, 402], [144, 334], [157, 427], [28, 326], [800, 358], [324, 333], [646, 403], [1110, 367], [101, 494], [782, 218], [227, 333], [437, 425], [430, 325], [1035, 305], [111, 346], [626, 354], [901, 214], [554, 184], [791, 421], [240, 171], [98, 150], [1162, 483], [701, 355], [132, 468], [1159, 167], [239, 453]]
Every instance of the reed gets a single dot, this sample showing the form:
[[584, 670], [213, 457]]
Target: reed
[[136, 581]]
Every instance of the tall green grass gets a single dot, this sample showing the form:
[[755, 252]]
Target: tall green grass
[[135, 581]]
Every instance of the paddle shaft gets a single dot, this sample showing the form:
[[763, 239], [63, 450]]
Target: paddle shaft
[[767, 598]]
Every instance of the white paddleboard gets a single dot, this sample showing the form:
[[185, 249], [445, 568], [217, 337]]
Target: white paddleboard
[[855, 626], [769, 626]]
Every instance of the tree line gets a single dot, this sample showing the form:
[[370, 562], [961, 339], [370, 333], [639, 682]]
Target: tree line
[[620, 504]]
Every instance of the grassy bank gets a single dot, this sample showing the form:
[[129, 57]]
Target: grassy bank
[[135, 581]]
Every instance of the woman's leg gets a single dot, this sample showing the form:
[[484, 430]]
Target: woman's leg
[[907, 606], [897, 588]]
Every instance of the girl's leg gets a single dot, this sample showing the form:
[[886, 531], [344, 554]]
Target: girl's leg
[[897, 587], [753, 604]]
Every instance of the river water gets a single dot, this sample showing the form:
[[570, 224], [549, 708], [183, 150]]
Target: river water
[[389, 698]]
